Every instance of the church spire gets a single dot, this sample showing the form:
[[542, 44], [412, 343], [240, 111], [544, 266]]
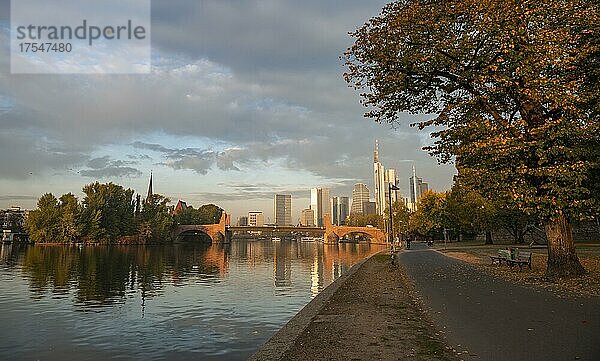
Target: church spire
[[376, 152], [150, 192]]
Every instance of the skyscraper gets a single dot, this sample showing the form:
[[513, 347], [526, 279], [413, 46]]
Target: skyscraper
[[282, 209], [256, 219], [379, 181], [320, 204], [417, 188], [307, 218], [360, 195], [340, 207], [391, 178]]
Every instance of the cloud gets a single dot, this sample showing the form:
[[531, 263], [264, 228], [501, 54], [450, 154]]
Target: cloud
[[242, 87], [105, 167]]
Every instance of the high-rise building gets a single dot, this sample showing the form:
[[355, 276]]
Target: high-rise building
[[282, 209], [256, 219], [320, 204], [243, 221], [391, 178], [339, 207], [360, 195], [417, 188], [307, 218], [369, 208], [379, 181]]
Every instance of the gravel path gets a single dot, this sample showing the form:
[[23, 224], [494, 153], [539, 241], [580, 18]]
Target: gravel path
[[486, 318]]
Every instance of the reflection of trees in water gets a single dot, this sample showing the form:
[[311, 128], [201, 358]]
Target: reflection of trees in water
[[100, 275], [104, 275]]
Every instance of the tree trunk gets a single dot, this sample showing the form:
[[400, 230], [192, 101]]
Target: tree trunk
[[562, 258], [520, 239], [488, 237]]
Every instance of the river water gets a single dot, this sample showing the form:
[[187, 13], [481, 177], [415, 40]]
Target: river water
[[179, 302]]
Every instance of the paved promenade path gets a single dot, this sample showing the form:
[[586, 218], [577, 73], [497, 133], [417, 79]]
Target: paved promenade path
[[493, 319]]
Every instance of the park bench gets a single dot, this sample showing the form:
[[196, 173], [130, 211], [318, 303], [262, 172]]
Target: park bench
[[514, 258], [503, 255], [521, 259]]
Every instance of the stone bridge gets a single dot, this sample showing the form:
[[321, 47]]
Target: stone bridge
[[334, 233], [218, 233], [221, 232]]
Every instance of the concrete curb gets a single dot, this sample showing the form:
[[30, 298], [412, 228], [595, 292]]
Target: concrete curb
[[284, 339]]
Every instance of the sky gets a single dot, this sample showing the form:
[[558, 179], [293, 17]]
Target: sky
[[245, 99]]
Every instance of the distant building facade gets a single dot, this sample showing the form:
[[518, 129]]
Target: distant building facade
[[360, 195], [320, 204], [256, 219], [307, 218], [243, 221], [282, 209], [340, 210]]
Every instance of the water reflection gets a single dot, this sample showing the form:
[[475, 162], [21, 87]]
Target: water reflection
[[208, 301]]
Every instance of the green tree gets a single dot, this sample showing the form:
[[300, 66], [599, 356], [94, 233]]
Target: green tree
[[43, 223], [206, 214], [69, 218], [400, 218], [363, 220], [156, 219], [108, 212], [429, 218], [515, 87]]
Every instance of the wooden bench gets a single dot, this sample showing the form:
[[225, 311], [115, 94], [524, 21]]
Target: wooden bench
[[503, 255], [516, 258], [521, 259]]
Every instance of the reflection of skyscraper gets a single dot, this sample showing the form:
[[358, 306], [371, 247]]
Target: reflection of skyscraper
[[417, 188], [282, 209], [282, 268], [340, 210], [379, 181], [360, 195], [320, 204]]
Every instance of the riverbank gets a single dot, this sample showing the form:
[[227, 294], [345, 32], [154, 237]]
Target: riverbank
[[370, 313]]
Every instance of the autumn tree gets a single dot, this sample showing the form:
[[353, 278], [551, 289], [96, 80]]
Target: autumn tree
[[515, 88]]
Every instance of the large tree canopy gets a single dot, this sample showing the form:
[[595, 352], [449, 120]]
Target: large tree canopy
[[515, 88]]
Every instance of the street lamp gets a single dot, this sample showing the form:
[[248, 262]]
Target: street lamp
[[391, 187]]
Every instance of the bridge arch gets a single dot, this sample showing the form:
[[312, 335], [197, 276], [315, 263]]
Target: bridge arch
[[334, 233], [216, 232]]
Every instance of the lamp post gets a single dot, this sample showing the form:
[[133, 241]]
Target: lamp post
[[391, 187]]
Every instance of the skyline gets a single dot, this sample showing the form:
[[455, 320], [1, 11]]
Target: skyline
[[257, 106]]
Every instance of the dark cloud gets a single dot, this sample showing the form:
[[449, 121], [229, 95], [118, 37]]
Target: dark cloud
[[28, 156], [105, 167], [258, 81], [17, 198]]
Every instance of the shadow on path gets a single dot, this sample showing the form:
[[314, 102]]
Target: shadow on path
[[494, 319]]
